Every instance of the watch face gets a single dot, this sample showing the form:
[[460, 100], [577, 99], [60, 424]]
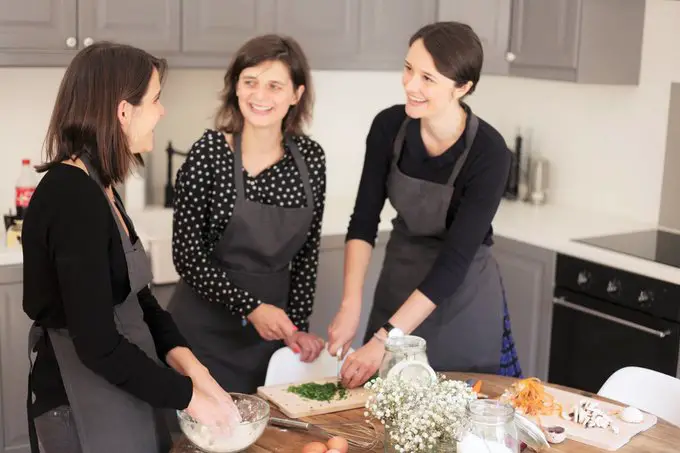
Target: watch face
[[396, 332]]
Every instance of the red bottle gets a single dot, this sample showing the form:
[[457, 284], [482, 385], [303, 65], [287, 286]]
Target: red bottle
[[25, 187]]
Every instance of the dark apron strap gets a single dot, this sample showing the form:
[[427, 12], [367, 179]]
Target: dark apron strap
[[470, 134], [34, 336]]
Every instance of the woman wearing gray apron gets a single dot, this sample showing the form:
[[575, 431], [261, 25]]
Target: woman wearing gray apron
[[444, 171], [248, 204], [97, 382]]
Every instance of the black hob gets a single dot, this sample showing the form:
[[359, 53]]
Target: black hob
[[654, 245]]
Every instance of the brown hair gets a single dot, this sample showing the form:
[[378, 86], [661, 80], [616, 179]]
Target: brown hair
[[84, 118], [456, 50], [269, 47]]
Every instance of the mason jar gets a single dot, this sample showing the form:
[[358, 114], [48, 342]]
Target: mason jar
[[491, 428], [407, 348]]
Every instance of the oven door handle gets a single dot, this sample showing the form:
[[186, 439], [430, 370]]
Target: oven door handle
[[565, 303]]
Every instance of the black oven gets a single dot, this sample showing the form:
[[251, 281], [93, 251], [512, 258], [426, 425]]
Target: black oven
[[605, 319]]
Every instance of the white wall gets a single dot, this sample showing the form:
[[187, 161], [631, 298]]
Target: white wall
[[605, 143]]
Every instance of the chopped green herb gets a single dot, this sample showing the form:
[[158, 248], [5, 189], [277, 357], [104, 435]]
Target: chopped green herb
[[319, 392]]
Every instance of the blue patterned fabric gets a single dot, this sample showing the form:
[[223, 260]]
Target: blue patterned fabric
[[509, 361]]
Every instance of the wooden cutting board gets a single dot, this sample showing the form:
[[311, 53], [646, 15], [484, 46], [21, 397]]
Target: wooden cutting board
[[602, 438], [294, 406]]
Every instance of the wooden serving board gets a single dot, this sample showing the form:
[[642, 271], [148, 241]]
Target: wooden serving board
[[294, 406], [603, 438]]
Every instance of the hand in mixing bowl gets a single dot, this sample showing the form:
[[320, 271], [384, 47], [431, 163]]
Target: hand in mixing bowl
[[204, 382], [211, 412]]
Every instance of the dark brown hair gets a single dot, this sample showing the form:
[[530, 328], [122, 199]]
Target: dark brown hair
[[84, 118], [456, 50], [263, 48]]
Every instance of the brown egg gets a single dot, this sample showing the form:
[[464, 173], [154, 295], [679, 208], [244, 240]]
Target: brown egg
[[315, 447], [338, 443]]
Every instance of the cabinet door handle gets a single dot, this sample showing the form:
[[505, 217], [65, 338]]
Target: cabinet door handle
[[510, 57], [71, 42], [88, 41], [564, 303]]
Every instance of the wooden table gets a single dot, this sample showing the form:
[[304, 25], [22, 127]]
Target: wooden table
[[661, 438]]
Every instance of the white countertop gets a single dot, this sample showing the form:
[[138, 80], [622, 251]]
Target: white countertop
[[549, 226]]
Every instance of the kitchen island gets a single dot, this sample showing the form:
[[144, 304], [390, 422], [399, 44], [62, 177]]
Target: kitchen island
[[661, 438]]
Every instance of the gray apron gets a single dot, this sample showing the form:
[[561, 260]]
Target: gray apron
[[464, 332], [255, 251], [109, 419]]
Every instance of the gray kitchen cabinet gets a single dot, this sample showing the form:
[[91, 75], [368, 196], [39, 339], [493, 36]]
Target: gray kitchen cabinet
[[220, 27], [490, 19], [153, 25], [37, 30], [330, 282], [386, 26], [14, 325], [327, 31], [50, 32], [343, 34], [585, 41], [528, 273]]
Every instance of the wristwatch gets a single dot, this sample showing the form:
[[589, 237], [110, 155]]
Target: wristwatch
[[392, 331]]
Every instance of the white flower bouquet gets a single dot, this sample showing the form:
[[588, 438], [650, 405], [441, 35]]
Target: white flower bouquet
[[420, 417]]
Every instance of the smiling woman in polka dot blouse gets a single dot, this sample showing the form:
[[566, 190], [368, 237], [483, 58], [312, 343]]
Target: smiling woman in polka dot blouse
[[247, 222]]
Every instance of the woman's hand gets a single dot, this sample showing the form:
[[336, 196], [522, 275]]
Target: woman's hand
[[343, 328], [209, 411], [362, 364], [271, 322], [308, 345]]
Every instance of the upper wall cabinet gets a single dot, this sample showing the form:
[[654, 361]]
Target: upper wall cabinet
[[37, 31], [220, 27], [153, 25], [586, 41], [50, 32], [490, 19], [335, 34]]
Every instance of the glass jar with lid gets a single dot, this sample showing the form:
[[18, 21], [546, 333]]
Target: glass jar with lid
[[402, 353], [491, 428]]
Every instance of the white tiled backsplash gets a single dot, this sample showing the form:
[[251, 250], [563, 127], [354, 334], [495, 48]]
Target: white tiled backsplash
[[605, 144]]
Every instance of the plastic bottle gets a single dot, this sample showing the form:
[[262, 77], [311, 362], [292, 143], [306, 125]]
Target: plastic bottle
[[25, 186]]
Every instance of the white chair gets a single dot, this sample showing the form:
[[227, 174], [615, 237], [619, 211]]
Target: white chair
[[648, 390], [285, 367]]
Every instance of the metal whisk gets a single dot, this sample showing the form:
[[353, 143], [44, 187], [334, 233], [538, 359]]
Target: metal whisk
[[360, 435]]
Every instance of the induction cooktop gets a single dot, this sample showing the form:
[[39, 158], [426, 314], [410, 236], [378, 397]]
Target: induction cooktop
[[654, 245]]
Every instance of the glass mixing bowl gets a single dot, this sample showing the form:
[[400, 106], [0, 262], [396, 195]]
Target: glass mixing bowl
[[255, 416]]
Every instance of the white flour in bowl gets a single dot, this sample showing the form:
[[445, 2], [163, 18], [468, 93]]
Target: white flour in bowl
[[255, 416], [240, 437]]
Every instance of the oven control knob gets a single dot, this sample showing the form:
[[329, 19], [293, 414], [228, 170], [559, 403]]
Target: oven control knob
[[645, 298], [583, 278], [614, 287]]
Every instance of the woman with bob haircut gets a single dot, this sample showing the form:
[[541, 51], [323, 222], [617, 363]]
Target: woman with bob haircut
[[247, 219], [101, 340], [444, 171]]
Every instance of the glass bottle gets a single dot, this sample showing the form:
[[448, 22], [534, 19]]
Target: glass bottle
[[407, 348], [491, 428]]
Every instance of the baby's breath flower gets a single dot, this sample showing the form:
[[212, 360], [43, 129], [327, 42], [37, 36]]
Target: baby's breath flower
[[420, 415]]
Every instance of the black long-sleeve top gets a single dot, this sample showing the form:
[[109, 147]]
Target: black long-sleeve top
[[74, 274], [204, 201], [474, 203]]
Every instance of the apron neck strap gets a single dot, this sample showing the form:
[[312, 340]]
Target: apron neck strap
[[297, 157], [470, 134], [118, 203], [399, 140]]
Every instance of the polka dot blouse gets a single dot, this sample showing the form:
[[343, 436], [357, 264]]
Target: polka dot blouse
[[204, 201]]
